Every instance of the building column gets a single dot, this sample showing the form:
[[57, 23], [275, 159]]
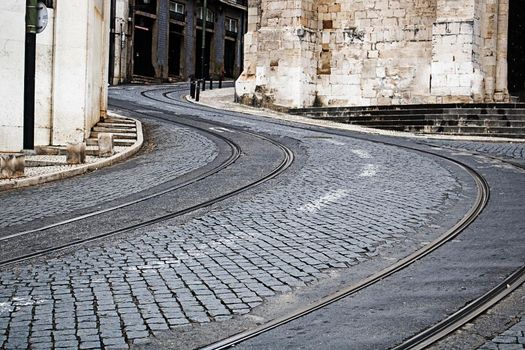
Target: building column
[[502, 94], [69, 71]]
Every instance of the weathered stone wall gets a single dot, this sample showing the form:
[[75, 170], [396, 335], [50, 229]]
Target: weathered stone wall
[[374, 52], [279, 52], [379, 52]]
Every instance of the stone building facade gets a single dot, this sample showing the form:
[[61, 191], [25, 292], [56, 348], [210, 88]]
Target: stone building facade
[[301, 53], [71, 72], [162, 39]]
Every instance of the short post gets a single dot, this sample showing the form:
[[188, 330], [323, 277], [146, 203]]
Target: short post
[[76, 153], [221, 77], [203, 83], [192, 87], [197, 92], [12, 165], [105, 144], [211, 83]]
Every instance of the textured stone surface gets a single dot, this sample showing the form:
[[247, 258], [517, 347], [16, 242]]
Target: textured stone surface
[[76, 153], [512, 339], [349, 199], [382, 52], [177, 151], [105, 145], [12, 165]]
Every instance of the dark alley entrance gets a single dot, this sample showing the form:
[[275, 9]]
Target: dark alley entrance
[[142, 64], [516, 53]]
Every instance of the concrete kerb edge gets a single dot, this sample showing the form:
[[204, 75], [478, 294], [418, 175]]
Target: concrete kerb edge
[[59, 175], [335, 125]]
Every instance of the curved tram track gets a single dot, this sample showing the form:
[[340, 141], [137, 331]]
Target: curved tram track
[[431, 334], [236, 153], [419, 341]]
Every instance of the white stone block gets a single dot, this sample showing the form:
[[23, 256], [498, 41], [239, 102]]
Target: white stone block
[[11, 165], [76, 153], [105, 144]]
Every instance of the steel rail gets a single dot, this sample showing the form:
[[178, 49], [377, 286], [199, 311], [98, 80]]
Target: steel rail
[[439, 330], [481, 200], [288, 158], [465, 314], [235, 154], [483, 193]]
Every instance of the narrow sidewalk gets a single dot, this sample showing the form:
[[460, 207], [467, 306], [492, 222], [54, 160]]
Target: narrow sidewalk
[[42, 168]]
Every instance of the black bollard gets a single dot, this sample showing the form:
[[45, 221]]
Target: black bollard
[[192, 88], [221, 77], [197, 92], [211, 83], [203, 84]]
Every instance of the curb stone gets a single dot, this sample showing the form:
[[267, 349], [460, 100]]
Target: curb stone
[[82, 169]]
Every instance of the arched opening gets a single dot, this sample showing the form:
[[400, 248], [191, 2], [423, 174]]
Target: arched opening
[[516, 53]]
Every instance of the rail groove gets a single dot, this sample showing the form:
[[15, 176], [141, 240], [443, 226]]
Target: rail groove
[[432, 334], [288, 158]]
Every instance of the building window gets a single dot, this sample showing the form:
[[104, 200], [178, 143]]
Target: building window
[[232, 25], [177, 11], [176, 7], [209, 15], [149, 6]]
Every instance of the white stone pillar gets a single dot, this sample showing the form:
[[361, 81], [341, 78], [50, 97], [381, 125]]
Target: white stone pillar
[[69, 70], [12, 56]]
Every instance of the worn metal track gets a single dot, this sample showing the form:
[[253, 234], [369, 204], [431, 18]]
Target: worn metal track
[[434, 333], [287, 160], [471, 215], [431, 335]]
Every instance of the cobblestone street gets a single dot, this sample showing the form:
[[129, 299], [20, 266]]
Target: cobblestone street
[[343, 203]]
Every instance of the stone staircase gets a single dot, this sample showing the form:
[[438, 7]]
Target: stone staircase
[[124, 134], [144, 80], [494, 120], [124, 131]]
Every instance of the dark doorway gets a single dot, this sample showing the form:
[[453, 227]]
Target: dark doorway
[[516, 53], [198, 51], [229, 57], [176, 41], [142, 47]]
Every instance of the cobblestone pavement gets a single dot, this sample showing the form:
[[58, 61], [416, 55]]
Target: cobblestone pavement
[[349, 199], [512, 339], [511, 151], [178, 151]]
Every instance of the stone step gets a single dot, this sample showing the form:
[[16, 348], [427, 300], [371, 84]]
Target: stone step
[[415, 108], [115, 125], [405, 116], [457, 130], [117, 135], [114, 130], [442, 122], [116, 142], [115, 120]]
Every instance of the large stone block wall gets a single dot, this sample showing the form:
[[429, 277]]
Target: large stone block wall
[[374, 52], [379, 52], [279, 51], [12, 44]]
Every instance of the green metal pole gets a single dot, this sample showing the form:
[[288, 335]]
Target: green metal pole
[[203, 47], [31, 16], [29, 74]]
